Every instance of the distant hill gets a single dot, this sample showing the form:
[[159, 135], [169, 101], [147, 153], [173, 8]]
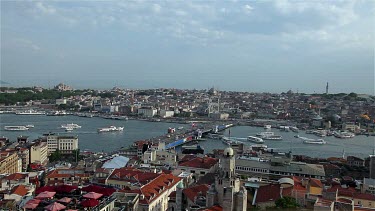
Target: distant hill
[[3, 82]]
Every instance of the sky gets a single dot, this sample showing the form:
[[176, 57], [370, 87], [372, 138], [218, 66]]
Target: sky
[[257, 46]]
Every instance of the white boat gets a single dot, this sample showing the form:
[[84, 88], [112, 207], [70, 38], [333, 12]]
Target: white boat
[[312, 141], [294, 129], [230, 142], [30, 112], [72, 125], [255, 139], [110, 129], [267, 127], [180, 128], [265, 134], [29, 126], [343, 134], [16, 128], [69, 129]]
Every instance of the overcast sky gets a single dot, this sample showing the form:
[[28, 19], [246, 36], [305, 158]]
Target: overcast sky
[[255, 46]]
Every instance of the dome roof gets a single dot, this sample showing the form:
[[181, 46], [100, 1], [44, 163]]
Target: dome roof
[[286, 180], [228, 152]]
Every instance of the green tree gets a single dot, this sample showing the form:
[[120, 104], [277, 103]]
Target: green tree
[[286, 202]]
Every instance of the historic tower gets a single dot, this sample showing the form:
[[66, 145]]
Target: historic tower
[[230, 196], [327, 89]]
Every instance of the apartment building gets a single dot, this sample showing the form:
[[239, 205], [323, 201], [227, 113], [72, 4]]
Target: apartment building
[[65, 144], [10, 162], [39, 153]]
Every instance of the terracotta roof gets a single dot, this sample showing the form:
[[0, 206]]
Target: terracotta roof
[[20, 190], [187, 158], [132, 175], [192, 192], [316, 183], [342, 191], [271, 193], [298, 184], [56, 174], [15, 176], [331, 166], [365, 196], [203, 163], [156, 187]]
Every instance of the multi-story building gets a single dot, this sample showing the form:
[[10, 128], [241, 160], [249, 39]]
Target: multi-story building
[[39, 153], [355, 161], [199, 166], [10, 162], [65, 144], [147, 111]]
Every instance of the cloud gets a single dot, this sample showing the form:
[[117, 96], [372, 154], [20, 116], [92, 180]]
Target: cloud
[[247, 8], [45, 8], [23, 43]]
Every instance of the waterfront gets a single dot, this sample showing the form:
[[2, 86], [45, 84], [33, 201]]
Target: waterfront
[[89, 139]]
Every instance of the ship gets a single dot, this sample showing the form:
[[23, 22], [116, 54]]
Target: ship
[[72, 125], [255, 139], [30, 126], [312, 141], [15, 128], [192, 149], [110, 129], [269, 136]]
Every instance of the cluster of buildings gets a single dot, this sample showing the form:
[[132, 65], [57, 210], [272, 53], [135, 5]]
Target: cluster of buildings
[[343, 111]]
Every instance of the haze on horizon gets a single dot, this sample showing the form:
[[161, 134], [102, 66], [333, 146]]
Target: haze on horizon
[[259, 46]]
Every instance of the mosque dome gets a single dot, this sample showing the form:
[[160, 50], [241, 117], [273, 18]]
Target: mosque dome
[[228, 152]]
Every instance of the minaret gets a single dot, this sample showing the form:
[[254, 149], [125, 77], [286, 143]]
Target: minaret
[[179, 189], [327, 89]]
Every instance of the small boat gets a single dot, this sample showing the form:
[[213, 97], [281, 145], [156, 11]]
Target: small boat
[[69, 129], [343, 135], [15, 128], [255, 139], [296, 136], [192, 149], [180, 128], [72, 125], [29, 126], [313, 141], [294, 129], [274, 137], [267, 127], [110, 129], [261, 134]]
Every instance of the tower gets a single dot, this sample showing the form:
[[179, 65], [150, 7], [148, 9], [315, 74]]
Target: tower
[[327, 89], [372, 166], [179, 189]]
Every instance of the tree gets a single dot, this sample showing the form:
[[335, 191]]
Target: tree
[[286, 202]]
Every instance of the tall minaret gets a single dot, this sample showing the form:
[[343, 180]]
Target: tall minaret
[[327, 89]]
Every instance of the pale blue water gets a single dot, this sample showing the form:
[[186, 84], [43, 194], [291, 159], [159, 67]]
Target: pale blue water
[[89, 139]]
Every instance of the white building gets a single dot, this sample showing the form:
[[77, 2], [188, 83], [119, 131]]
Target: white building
[[147, 111], [165, 113], [39, 153], [60, 101], [65, 144]]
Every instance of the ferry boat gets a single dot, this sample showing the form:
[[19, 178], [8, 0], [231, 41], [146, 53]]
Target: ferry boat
[[269, 136], [119, 117], [30, 112], [15, 128], [110, 129], [343, 134], [29, 126], [69, 129], [192, 149], [313, 141], [72, 125], [255, 139], [259, 147], [231, 142]]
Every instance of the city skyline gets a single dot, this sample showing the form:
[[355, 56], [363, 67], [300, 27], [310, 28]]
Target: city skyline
[[239, 46]]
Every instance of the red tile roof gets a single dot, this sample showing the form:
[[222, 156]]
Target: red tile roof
[[203, 163], [271, 193], [192, 192], [15, 176], [365, 196], [20, 190], [132, 175], [316, 183], [156, 187]]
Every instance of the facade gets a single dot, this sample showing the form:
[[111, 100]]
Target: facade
[[166, 114], [63, 87], [279, 169], [39, 153], [227, 191], [65, 144], [147, 111], [355, 161], [10, 162], [199, 166]]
